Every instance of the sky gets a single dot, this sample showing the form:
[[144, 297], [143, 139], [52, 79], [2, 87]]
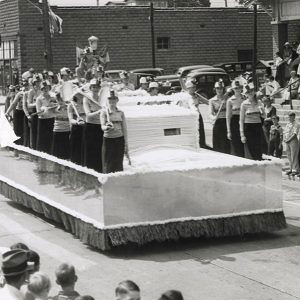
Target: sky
[[214, 3]]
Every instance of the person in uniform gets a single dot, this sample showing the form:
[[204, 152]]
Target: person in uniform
[[196, 100], [115, 144], [61, 131], [251, 115], [77, 120], [18, 114], [10, 96], [144, 84], [153, 88], [29, 107], [217, 108], [93, 134], [14, 269], [45, 106], [233, 106]]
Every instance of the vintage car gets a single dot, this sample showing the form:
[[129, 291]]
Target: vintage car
[[235, 69], [205, 79], [168, 84], [149, 71], [184, 71], [114, 75]]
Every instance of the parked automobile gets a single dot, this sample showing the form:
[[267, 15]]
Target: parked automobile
[[134, 78], [114, 74], [168, 84], [205, 80], [235, 69], [184, 71], [149, 71]]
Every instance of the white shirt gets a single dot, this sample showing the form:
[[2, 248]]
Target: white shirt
[[9, 292]]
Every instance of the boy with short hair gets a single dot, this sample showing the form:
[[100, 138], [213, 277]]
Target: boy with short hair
[[290, 137], [66, 278], [275, 140]]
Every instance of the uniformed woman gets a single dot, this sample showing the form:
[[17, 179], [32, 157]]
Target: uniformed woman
[[45, 106], [61, 131], [29, 107], [217, 108], [18, 114], [233, 106], [252, 112], [113, 124], [77, 120], [93, 134]]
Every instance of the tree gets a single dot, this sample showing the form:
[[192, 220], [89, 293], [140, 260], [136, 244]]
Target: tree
[[191, 3], [265, 3]]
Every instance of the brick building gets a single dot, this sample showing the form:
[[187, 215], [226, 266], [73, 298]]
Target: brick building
[[183, 36]]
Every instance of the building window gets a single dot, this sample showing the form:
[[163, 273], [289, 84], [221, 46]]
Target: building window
[[163, 43], [8, 50]]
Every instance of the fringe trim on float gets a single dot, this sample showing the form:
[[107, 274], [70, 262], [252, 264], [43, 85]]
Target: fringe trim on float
[[105, 238]]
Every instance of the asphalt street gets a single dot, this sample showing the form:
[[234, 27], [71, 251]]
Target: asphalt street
[[264, 266]]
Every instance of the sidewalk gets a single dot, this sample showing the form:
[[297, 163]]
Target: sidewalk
[[2, 100]]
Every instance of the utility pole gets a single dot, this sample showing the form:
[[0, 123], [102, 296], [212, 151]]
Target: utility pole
[[152, 34], [97, 2], [254, 61], [47, 36], [226, 4]]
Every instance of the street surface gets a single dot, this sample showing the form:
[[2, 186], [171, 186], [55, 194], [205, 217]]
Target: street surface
[[265, 266]]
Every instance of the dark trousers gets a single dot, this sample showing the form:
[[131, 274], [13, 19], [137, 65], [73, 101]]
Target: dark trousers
[[76, 144], [253, 133], [61, 144], [220, 141], [33, 131], [26, 128], [113, 154], [44, 135], [18, 122], [275, 148], [93, 139], [237, 147], [202, 141]]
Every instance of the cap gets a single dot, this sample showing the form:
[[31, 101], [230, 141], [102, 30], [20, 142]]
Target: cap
[[50, 73], [236, 84], [219, 84], [14, 262], [153, 84], [143, 80], [65, 71], [93, 38], [189, 84], [31, 70], [95, 81], [286, 44]]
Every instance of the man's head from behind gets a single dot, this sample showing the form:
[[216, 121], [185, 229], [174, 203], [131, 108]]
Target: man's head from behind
[[127, 290], [65, 275]]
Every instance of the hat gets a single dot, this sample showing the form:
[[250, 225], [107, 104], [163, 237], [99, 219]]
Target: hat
[[153, 84], [286, 44], [95, 81], [31, 70], [14, 262], [45, 83], [143, 80], [65, 71], [93, 38], [112, 95], [50, 73], [219, 84], [189, 84], [236, 84]]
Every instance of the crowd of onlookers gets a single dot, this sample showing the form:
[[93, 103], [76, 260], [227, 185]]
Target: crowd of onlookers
[[21, 279]]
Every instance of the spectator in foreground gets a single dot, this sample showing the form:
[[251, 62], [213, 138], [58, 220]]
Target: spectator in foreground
[[127, 290], [39, 286], [14, 269], [171, 295], [85, 297], [19, 246], [290, 137], [66, 277]]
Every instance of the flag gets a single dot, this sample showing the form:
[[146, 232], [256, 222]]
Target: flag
[[104, 55], [79, 54], [7, 135], [55, 22]]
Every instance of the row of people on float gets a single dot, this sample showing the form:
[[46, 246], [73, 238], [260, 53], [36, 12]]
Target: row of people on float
[[242, 124], [79, 130]]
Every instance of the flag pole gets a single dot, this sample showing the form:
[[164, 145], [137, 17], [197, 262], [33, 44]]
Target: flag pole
[[47, 36], [254, 62], [152, 34]]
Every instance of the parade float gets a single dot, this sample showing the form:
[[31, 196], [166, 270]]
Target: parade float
[[170, 190]]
